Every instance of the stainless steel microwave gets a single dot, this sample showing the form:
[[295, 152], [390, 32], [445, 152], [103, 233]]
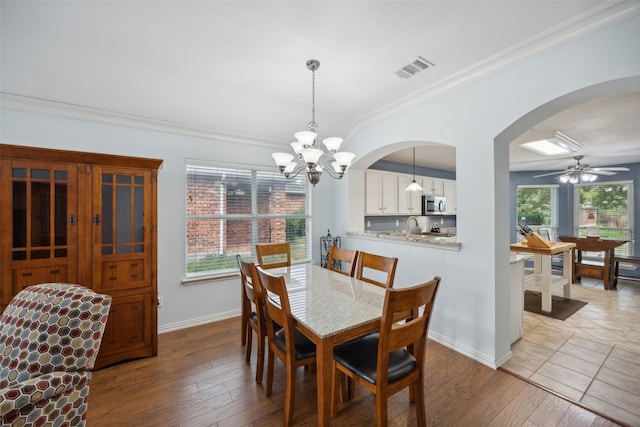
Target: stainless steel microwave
[[434, 205]]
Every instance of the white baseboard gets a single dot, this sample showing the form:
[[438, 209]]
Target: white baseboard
[[478, 357], [198, 321]]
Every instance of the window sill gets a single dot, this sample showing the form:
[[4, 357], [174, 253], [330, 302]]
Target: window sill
[[197, 280], [217, 277]]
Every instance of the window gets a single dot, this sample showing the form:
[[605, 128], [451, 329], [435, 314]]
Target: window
[[538, 208], [607, 209], [229, 211]]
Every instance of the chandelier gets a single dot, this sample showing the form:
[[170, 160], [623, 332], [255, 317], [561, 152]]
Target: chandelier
[[311, 158]]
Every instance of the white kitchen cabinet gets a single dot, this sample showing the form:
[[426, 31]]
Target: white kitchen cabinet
[[381, 193], [409, 202], [433, 186], [451, 194]]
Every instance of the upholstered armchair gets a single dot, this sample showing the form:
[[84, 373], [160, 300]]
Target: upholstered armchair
[[50, 335]]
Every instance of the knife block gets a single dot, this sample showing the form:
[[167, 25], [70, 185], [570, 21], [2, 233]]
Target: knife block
[[535, 240]]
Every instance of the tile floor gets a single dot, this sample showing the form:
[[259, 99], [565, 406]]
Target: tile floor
[[593, 357]]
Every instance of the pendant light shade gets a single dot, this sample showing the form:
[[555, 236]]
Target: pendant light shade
[[414, 186]]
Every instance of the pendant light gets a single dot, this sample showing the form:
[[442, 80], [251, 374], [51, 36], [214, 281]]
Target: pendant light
[[414, 186]]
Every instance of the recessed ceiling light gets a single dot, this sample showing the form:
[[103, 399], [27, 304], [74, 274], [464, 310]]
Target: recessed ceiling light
[[552, 144]]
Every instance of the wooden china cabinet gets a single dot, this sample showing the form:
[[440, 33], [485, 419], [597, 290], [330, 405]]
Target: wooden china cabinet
[[84, 218]]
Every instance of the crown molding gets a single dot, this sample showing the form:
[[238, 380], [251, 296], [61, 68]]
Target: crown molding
[[596, 19], [78, 112]]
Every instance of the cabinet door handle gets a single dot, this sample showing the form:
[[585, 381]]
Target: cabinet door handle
[[96, 219], [72, 219]]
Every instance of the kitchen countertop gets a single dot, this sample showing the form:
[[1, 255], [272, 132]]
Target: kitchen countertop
[[449, 242]]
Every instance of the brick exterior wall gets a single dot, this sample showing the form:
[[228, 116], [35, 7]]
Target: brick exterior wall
[[204, 198]]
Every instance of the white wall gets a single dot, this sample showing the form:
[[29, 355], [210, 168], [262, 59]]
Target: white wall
[[471, 311]]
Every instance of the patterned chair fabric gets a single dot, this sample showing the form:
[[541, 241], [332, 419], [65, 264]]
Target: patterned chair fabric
[[50, 335]]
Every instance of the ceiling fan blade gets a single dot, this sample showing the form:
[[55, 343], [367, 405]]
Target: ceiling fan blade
[[599, 172], [550, 173], [616, 169]]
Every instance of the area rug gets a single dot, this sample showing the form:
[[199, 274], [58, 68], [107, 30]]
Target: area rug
[[561, 308]]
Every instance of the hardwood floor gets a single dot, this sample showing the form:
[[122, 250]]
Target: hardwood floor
[[200, 378]]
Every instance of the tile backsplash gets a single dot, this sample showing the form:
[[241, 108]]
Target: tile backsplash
[[388, 223]]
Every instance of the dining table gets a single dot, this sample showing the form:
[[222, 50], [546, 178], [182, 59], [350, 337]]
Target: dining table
[[604, 271], [330, 308]]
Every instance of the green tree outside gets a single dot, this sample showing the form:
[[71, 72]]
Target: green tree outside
[[534, 205]]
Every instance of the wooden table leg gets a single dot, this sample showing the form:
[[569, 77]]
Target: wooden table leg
[[324, 363], [573, 265], [606, 276], [567, 271], [545, 262]]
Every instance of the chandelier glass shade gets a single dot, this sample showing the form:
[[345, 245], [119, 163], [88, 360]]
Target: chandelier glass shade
[[309, 156]]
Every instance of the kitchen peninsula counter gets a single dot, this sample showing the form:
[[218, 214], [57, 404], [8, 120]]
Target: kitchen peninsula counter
[[449, 243]]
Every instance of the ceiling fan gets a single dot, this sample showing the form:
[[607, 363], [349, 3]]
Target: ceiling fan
[[582, 172]]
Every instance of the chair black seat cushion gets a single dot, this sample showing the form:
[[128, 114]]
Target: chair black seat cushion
[[254, 317], [361, 357], [304, 347]]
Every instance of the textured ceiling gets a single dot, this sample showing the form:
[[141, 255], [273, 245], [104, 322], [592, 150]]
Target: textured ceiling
[[238, 68]]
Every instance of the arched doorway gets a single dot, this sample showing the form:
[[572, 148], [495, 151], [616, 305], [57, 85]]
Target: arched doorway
[[569, 350]]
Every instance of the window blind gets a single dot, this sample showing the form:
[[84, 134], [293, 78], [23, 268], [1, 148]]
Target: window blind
[[229, 211]]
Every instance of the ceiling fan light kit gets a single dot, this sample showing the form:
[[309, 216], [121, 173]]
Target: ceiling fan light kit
[[552, 144], [311, 158]]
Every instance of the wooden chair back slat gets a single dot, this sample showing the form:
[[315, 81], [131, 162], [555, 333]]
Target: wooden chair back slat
[[379, 263], [343, 256], [273, 255]]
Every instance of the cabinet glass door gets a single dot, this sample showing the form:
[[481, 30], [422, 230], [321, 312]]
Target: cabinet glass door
[[43, 223], [121, 235]]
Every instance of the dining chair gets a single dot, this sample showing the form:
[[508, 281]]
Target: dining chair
[[253, 318], [381, 264], [273, 255], [392, 359], [340, 255], [290, 345]]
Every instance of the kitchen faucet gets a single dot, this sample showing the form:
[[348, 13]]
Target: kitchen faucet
[[415, 220]]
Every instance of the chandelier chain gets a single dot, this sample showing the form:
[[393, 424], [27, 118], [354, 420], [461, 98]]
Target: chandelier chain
[[312, 124]]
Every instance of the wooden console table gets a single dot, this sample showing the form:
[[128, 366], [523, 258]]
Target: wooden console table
[[542, 280], [594, 244]]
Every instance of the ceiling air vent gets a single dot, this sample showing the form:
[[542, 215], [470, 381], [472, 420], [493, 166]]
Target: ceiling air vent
[[414, 68]]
